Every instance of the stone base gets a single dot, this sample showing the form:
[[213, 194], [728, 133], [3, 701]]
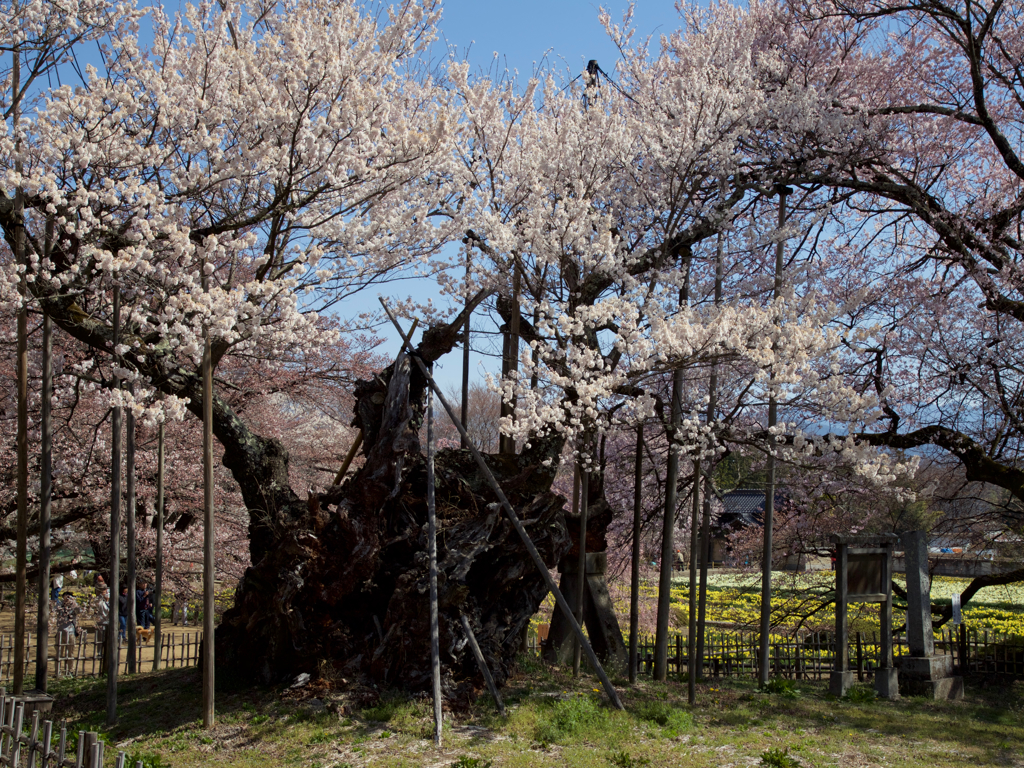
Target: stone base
[[840, 682], [946, 688], [927, 667], [931, 677], [887, 683]]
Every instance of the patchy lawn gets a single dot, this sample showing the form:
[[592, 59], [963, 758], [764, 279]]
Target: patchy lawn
[[553, 720]]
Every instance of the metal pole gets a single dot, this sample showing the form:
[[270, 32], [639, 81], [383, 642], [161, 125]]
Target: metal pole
[[769, 496], [158, 587], [45, 498], [435, 635], [560, 600], [208, 531], [113, 646]]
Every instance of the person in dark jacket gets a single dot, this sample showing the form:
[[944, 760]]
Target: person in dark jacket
[[143, 606], [122, 613]]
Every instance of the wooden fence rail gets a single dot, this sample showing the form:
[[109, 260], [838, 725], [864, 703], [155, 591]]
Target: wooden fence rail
[[812, 656], [83, 656], [35, 748]]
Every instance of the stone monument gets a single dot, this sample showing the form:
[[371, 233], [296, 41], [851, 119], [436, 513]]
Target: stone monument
[[922, 672]]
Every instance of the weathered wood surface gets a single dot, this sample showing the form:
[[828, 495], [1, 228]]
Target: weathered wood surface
[[355, 557]]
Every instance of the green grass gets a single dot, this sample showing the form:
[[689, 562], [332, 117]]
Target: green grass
[[553, 720]]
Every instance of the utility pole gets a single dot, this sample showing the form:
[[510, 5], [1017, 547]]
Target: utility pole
[[769, 496]]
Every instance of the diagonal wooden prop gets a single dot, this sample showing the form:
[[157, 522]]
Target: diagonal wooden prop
[[513, 518]]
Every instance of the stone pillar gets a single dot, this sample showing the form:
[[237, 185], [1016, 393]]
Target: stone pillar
[[920, 637], [922, 673]]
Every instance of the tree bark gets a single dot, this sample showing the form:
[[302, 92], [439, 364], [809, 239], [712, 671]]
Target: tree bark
[[335, 566]]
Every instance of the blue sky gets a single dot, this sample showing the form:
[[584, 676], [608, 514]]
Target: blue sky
[[517, 36], [522, 33]]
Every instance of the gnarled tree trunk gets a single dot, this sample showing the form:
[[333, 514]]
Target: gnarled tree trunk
[[342, 578]]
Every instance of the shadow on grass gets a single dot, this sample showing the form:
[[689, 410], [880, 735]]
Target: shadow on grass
[[990, 717], [149, 703]]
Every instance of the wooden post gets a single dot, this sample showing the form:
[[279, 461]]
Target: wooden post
[[531, 548], [158, 587], [581, 578], [465, 354], [705, 525], [634, 573], [208, 526], [21, 547], [45, 498], [841, 639], [482, 664], [691, 630], [129, 470], [668, 524], [769, 496], [668, 536], [435, 636], [510, 362], [113, 653]]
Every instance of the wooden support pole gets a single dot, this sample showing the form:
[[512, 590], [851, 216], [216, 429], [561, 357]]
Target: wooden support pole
[[691, 644], [634, 573], [769, 496], [129, 524], [45, 499], [482, 664], [158, 587], [560, 600], [113, 646], [21, 546], [435, 635], [348, 458], [209, 572], [465, 353], [581, 576]]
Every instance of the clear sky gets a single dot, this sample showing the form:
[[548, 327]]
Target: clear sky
[[517, 36], [522, 33]]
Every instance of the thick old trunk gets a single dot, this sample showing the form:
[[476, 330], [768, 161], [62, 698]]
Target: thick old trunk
[[339, 580], [343, 585]]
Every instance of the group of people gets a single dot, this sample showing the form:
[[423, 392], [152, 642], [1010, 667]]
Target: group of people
[[66, 611], [143, 609]]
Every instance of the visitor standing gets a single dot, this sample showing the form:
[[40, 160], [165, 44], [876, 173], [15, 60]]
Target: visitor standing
[[122, 614]]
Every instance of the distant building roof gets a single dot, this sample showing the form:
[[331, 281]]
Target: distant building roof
[[745, 506]]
